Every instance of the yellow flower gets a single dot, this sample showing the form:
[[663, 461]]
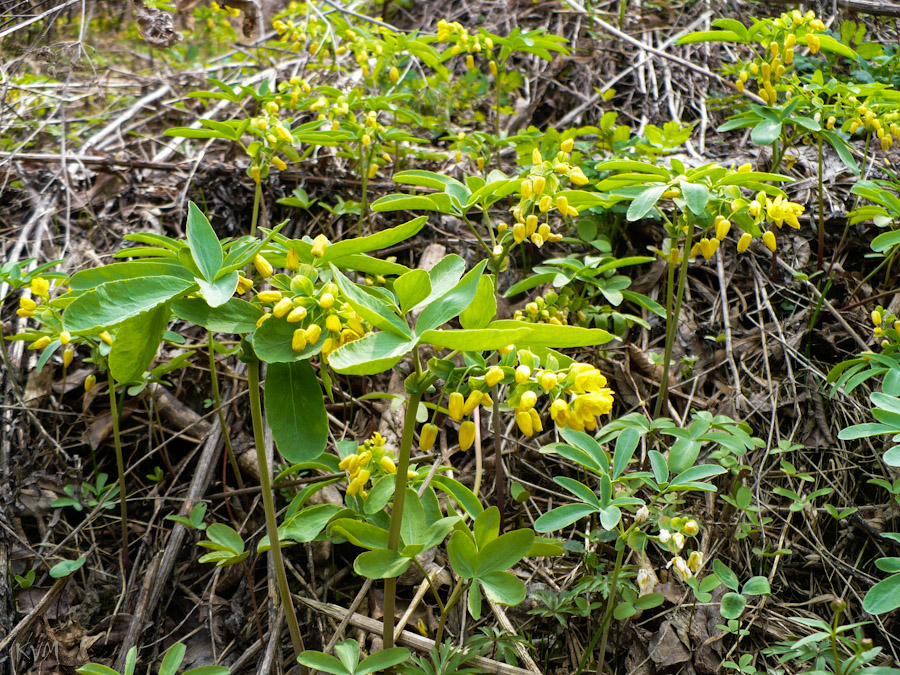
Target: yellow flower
[[394, 74], [691, 528], [40, 287], [428, 437], [547, 381], [744, 242], [567, 145], [755, 208], [536, 158], [527, 400], [708, 247], [292, 260], [320, 243], [313, 333], [536, 423], [525, 423], [769, 240], [455, 406], [283, 307], [106, 337], [519, 232], [268, 296], [493, 376], [813, 43], [523, 372], [531, 223], [40, 343], [526, 189], [545, 203], [27, 304], [333, 323], [466, 435], [876, 317], [472, 401], [279, 163], [562, 203], [723, 227], [326, 301], [90, 382], [68, 355], [538, 185], [387, 465], [65, 337], [695, 561], [298, 341], [263, 266], [244, 284], [577, 176]]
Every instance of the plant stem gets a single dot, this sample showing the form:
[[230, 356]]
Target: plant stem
[[451, 603], [269, 508], [120, 465], [610, 605], [390, 585], [217, 401], [672, 316], [821, 213], [255, 217]]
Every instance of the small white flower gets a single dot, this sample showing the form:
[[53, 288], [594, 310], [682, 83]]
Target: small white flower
[[681, 569], [644, 581], [695, 561], [678, 538], [642, 514], [664, 536]]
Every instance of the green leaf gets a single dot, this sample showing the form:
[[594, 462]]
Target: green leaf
[[112, 303], [400, 202], [711, 36], [884, 596], [91, 278], [374, 242], [364, 535], [696, 196], [726, 576], [732, 605], [460, 494], [382, 563], [766, 132], [411, 288], [476, 340], [580, 490], [67, 567], [563, 516], [235, 316], [96, 669], [377, 312], [226, 537], [208, 670], [136, 344], [172, 659], [218, 292], [203, 242], [503, 552], [756, 586], [625, 446], [483, 308], [386, 658], [295, 411], [449, 305], [829, 44], [306, 525], [462, 554], [412, 527], [644, 202], [421, 178], [486, 526], [323, 662], [503, 587], [372, 354], [843, 150], [272, 343]]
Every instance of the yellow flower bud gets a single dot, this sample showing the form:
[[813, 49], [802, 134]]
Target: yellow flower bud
[[538, 185], [527, 400], [279, 163], [472, 401], [269, 296], [366, 140], [244, 284], [283, 306], [744, 242], [387, 465], [523, 372], [68, 355], [326, 301], [40, 287], [320, 243], [263, 266], [106, 337], [525, 423], [298, 341], [723, 227], [526, 189], [769, 240], [90, 382], [876, 317], [470, 62], [536, 158], [562, 203], [262, 319], [428, 437], [545, 203], [27, 304], [577, 176], [531, 223], [493, 376], [292, 260], [519, 232], [455, 406], [313, 333], [567, 145], [466, 435], [333, 323], [394, 74], [547, 381], [42, 342], [691, 528]]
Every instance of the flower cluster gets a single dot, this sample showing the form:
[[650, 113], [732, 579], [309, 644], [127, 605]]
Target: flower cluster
[[789, 29], [541, 192], [37, 306], [276, 133], [552, 308], [673, 536], [885, 326], [310, 31], [764, 209], [870, 118], [370, 461], [316, 312], [463, 42]]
